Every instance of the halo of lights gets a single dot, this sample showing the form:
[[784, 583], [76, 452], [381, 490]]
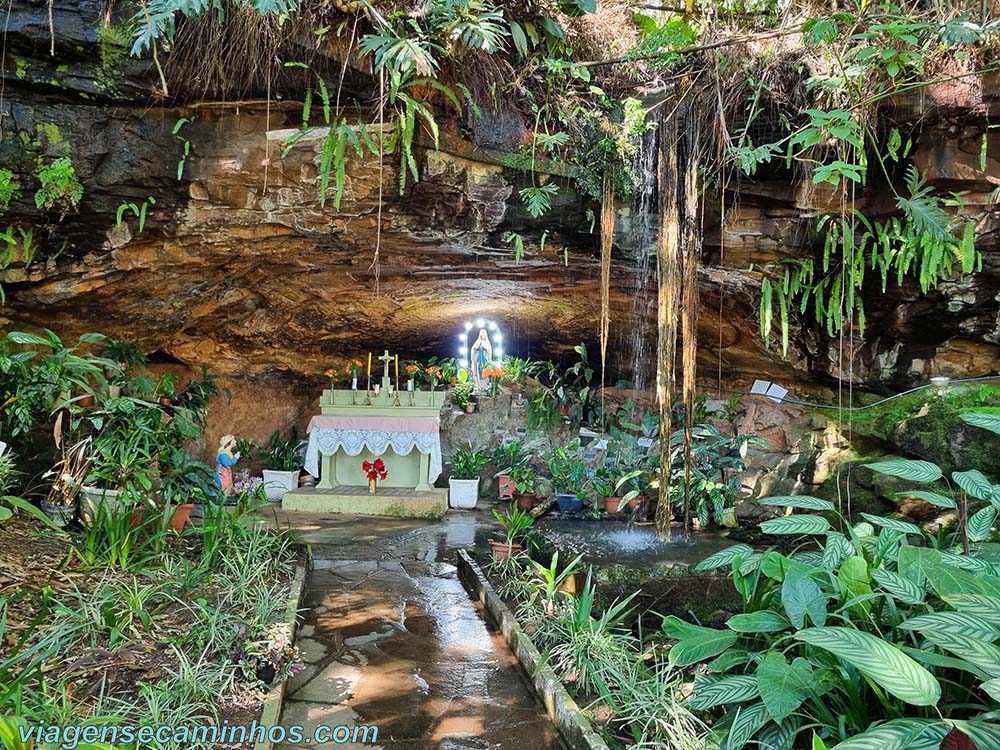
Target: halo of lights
[[492, 330]]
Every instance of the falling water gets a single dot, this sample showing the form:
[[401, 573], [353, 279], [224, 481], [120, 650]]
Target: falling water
[[637, 237]]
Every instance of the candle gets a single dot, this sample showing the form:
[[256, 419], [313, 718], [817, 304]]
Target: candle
[[397, 368], [369, 365]]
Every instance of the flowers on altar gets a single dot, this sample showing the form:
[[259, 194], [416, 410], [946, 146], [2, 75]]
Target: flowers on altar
[[433, 375], [332, 375], [374, 469], [355, 366], [412, 369]]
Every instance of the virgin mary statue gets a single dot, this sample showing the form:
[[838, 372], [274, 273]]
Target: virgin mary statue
[[480, 356]]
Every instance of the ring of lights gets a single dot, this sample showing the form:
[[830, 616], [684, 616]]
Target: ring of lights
[[493, 331]]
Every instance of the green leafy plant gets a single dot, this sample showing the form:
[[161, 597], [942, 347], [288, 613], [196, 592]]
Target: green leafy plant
[[920, 245], [524, 477], [138, 211], [60, 187], [280, 454], [851, 640], [467, 463], [513, 522], [461, 393], [538, 199], [567, 469], [185, 145], [8, 189]]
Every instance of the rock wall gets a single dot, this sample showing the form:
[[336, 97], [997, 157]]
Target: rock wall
[[239, 268]]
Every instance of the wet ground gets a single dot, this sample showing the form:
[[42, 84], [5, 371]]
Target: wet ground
[[392, 640]]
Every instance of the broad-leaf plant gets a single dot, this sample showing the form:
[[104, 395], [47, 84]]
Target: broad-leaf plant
[[876, 636]]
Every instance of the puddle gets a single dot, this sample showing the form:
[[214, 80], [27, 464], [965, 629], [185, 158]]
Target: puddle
[[606, 543]]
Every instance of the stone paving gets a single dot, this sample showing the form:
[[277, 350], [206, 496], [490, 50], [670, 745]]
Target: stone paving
[[391, 639]]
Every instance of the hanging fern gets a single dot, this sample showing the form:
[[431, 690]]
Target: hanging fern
[[926, 244]]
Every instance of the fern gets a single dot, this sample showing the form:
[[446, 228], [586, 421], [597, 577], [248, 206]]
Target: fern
[[538, 200], [470, 24], [919, 245], [401, 55]]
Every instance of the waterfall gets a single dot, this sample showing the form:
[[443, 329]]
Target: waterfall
[[637, 232]]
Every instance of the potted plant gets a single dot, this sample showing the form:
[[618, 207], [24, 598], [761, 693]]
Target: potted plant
[[513, 522], [464, 482], [67, 479], [514, 372], [641, 487], [127, 358], [569, 475], [524, 478], [185, 481], [505, 458], [461, 396], [604, 485], [282, 463], [127, 436]]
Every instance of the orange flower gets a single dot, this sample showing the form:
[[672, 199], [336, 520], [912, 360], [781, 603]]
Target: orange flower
[[330, 373], [434, 371], [412, 368]]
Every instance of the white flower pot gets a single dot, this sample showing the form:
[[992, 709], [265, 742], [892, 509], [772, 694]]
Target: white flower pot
[[91, 498], [464, 493], [277, 483]]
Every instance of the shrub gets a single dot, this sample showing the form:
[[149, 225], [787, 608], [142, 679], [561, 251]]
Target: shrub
[[854, 641]]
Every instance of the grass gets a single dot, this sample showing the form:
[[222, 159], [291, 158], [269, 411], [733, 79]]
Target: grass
[[152, 631]]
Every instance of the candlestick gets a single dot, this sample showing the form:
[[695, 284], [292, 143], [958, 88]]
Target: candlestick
[[397, 372]]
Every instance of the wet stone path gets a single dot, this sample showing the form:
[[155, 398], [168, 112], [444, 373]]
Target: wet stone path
[[395, 642]]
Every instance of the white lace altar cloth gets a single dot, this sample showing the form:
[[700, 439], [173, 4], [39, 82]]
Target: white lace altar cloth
[[328, 434]]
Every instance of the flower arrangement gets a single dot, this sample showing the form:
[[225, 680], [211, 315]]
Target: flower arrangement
[[355, 366], [331, 374], [269, 654], [494, 374], [411, 372], [374, 470], [433, 375]]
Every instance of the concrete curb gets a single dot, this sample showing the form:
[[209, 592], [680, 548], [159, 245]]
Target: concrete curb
[[571, 722], [270, 715]]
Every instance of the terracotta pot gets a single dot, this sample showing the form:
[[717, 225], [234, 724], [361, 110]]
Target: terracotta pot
[[181, 514], [525, 500], [505, 487], [86, 401], [502, 549], [372, 486], [563, 410], [166, 401], [612, 504], [642, 507]]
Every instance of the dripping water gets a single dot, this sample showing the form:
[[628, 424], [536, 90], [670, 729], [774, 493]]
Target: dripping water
[[637, 237]]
